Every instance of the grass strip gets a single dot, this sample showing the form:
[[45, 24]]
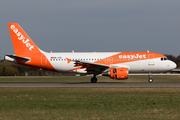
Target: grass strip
[[90, 103]]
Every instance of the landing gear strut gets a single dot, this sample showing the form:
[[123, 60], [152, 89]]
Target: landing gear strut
[[150, 79], [94, 79]]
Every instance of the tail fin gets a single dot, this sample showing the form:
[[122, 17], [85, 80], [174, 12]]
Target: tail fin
[[21, 41]]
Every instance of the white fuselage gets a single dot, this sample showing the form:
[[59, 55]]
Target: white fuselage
[[59, 62]]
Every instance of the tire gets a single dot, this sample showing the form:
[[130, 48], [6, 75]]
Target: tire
[[150, 80], [93, 80]]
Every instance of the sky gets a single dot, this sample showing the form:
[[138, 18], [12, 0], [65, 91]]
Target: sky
[[94, 25]]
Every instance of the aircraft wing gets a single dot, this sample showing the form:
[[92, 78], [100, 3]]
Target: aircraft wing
[[90, 67], [86, 63]]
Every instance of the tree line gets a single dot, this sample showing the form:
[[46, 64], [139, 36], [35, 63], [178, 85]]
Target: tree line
[[175, 59], [13, 69]]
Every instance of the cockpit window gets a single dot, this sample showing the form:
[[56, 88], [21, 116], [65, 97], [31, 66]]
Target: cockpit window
[[163, 59]]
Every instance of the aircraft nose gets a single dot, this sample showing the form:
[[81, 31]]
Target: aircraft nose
[[173, 65]]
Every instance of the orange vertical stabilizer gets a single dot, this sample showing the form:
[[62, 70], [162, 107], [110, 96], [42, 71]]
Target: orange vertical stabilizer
[[21, 41]]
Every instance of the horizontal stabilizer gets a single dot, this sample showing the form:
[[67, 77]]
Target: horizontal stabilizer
[[13, 57]]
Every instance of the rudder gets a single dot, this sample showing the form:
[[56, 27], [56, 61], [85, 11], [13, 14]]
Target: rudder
[[22, 43]]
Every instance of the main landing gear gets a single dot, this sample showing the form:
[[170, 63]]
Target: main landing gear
[[94, 79], [150, 79]]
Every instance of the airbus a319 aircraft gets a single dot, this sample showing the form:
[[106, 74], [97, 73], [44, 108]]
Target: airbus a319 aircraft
[[116, 65]]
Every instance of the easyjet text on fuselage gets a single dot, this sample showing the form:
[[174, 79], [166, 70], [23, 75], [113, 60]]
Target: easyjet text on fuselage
[[133, 56]]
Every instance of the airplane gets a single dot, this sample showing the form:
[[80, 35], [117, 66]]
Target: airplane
[[116, 65]]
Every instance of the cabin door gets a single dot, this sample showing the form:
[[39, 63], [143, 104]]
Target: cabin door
[[151, 59], [43, 60]]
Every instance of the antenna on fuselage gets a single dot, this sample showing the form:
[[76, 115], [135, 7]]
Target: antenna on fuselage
[[72, 51], [148, 51]]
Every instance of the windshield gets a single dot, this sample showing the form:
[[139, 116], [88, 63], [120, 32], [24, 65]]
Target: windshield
[[163, 59]]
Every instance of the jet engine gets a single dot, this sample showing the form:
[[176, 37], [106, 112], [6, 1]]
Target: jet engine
[[117, 73]]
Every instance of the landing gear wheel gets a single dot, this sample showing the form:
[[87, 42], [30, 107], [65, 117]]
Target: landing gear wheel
[[150, 80], [93, 80]]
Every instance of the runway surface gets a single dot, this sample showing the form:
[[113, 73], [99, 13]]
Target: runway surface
[[86, 84]]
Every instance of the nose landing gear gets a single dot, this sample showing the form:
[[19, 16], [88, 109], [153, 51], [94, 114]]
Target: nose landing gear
[[150, 79]]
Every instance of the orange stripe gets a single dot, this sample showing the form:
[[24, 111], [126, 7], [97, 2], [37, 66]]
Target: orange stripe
[[125, 57]]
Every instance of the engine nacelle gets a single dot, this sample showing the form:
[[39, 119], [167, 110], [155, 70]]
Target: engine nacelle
[[117, 73]]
